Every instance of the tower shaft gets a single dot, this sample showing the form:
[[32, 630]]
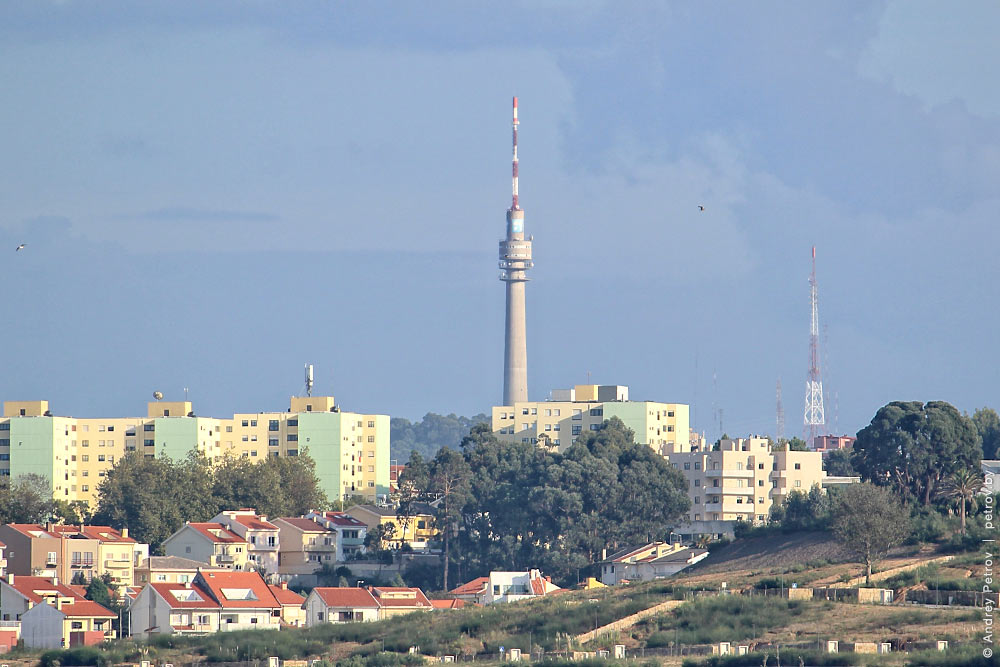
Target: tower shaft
[[814, 417], [515, 260]]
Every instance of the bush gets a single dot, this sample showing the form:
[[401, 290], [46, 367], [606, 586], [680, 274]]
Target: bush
[[788, 657]]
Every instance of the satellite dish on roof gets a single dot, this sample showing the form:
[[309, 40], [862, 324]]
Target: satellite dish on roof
[[158, 395]]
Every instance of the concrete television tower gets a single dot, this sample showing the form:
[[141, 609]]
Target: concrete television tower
[[515, 260]]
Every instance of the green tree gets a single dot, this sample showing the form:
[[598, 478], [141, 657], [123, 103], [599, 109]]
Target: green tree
[[411, 486], [102, 591], [26, 499], [988, 425], [449, 479], [429, 434], [963, 486], [838, 464], [868, 521], [913, 447]]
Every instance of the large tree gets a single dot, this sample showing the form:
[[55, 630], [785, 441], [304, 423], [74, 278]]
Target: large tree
[[449, 477], [26, 499], [913, 447], [838, 464], [868, 521], [988, 424]]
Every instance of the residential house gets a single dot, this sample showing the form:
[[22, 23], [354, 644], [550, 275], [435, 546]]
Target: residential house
[[417, 530], [506, 587], [66, 622], [399, 600], [67, 551], [350, 532], [216, 601], [19, 594], [292, 611], [340, 605], [655, 560], [305, 545], [168, 570], [210, 543], [260, 535], [471, 591], [448, 604]]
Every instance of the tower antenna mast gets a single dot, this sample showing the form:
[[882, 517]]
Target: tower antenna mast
[[515, 260], [814, 417]]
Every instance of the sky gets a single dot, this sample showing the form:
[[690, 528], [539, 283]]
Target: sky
[[214, 194]]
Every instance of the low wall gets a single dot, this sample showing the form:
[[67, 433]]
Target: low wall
[[629, 621]]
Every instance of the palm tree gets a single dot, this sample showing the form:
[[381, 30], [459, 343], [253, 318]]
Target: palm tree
[[963, 485]]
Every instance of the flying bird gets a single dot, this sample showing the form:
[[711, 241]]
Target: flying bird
[[700, 207], [19, 248]]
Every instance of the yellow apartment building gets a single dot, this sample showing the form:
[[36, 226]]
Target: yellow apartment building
[[743, 479], [351, 450], [558, 422]]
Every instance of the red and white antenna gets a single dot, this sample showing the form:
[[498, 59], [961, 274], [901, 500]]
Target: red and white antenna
[[815, 417], [514, 206]]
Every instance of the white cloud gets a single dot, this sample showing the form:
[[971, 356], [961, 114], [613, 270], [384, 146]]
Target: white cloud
[[939, 52]]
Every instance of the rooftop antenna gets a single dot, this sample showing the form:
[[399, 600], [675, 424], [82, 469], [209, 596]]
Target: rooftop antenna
[[309, 379], [158, 395], [186, 394]]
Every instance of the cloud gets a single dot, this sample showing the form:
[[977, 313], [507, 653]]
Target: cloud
[[939, 52]]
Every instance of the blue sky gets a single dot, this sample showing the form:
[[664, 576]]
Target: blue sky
[[213, 194]]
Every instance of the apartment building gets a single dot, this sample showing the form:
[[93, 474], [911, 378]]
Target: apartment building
[[69, 551], [418, 530], [743, 479], [351, 450], [556, 423], [351, 532], [305, 545]]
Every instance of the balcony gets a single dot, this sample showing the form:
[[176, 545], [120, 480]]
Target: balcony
[[80, 564], [224, 558], [322, 548], [117, 563], [729, 472]]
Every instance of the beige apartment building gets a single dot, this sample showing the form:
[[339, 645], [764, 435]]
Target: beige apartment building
[[557, 423], [744, 478], [351, 450]]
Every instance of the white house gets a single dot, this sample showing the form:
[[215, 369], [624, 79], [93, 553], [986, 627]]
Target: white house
[[655, 560], [215, 601], [340, 605], [506, 587], [67, 623], [261, 536]]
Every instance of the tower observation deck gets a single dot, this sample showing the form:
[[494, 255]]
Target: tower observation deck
[[515, 260]]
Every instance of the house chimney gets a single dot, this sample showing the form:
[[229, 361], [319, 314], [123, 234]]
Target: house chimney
[[10, 579], [125, 531], [55, 581], [284, 585]]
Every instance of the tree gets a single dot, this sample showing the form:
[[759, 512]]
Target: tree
[[988, 425], [838, 464], [429, 434], [26, 499], [793, 445], [410, 487], [449, 478], [868, 520], [963, 486], [102, 591], [913, 447]]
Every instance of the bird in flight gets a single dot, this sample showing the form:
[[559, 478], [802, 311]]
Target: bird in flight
[[700, 207], [19, 248]]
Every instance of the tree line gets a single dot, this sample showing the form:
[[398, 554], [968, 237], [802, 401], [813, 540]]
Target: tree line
[[154, 497], [514, 506], [429, 434]]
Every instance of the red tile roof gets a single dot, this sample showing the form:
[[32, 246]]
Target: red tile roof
[[343, 519], [165, 592], [218, 581], [351, 598], [471, 588], [307, 525], [27, 529], [254, 522], [86, 608], [414, 597], [100, 533], [225, 535], [286, 597], [448, 604], [27, 587], [2, 545]]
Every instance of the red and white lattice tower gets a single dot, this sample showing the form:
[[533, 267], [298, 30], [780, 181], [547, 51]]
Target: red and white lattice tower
[[814, 418]]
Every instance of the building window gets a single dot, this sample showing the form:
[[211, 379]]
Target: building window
[[798, 483], [371, 485], [148, 427], [371, 438], [100, 457], [760, 482], [524, 411], [595, 427], [596, 412], [715, 482], [246, 423], [253, 422], [148, 443], [697, 483], [760, 466], [273, 442], [293, 452], [576, 429], [798, 466], [697, 465], [292, 437], [293, 422], [272, 425], [577, 413], [760, 500], [85, 487], [85, 457]]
